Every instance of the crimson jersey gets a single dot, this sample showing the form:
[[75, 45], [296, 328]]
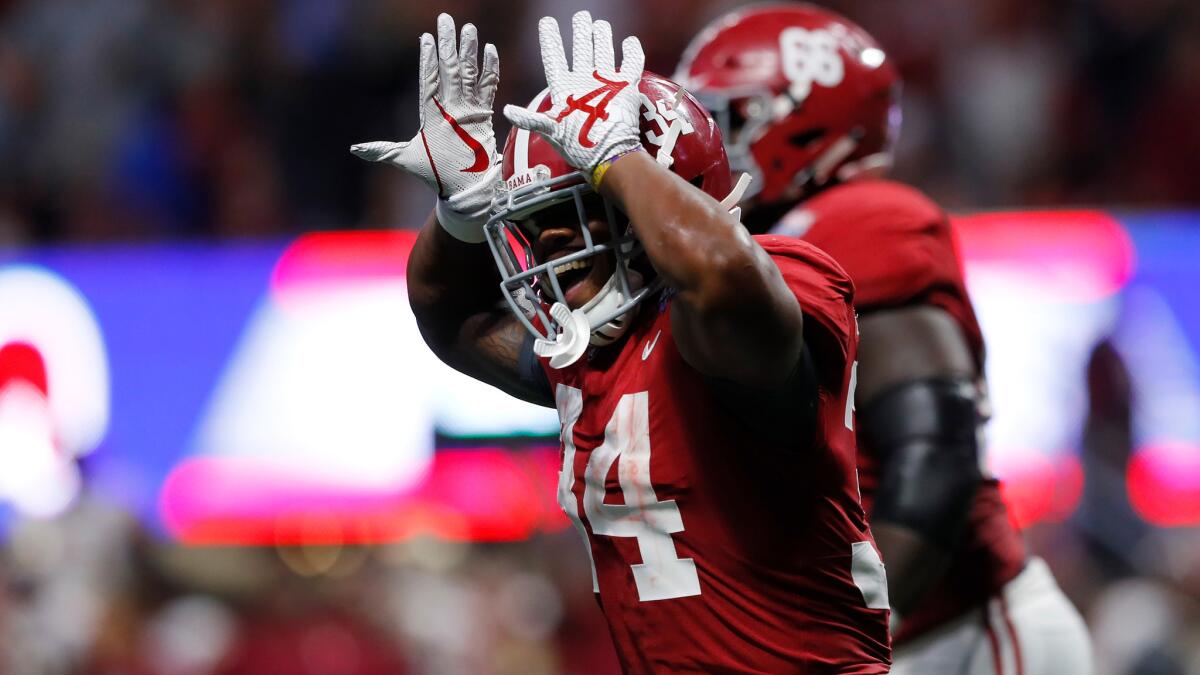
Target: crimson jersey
[[898, 248], [715, 548]]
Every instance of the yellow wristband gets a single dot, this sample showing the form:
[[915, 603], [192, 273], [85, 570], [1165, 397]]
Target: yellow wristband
[[603, 167]]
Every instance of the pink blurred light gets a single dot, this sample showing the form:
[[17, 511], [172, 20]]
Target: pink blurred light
[[468, 495], [1040, 489], [324, 258], [1074, 255], [1163, 480]]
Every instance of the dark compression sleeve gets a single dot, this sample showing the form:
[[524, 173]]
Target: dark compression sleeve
[[531, 372], [925, 435]]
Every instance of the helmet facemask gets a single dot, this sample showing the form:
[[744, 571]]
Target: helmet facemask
[[744, 117], [679, 135], [529, 285], [740, 129]]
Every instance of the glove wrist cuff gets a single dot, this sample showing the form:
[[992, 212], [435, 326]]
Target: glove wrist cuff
[[465, 227], [463, 215]]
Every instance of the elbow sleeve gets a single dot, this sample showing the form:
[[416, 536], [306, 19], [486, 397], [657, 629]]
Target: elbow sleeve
[[925, 434]]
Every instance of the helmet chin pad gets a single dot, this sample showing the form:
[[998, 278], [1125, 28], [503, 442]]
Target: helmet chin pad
[[604, 304], [576, 328]]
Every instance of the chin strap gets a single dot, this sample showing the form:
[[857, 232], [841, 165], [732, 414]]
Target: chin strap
[[575, 332], [730, 203], [607, 301], [877, 164], [837, 153]]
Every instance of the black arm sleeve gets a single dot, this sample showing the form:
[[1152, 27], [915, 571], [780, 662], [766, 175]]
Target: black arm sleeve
[[925, 434], [530, 371]]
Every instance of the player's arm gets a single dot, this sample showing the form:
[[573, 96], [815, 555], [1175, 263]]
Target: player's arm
[[733, 317], [452, 291], [452, 281], [918, 409]]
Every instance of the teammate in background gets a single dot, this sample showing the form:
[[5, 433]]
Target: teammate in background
[[807, 102], [703, 377]]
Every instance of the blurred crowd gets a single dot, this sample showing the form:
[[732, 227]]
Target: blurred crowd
[[133, 119], [145, 119], [91, 593]]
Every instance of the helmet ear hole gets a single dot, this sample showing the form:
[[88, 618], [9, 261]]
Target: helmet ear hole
[[806, 138]]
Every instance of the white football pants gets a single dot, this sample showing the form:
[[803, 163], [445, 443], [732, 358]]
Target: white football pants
[[1029, 628]]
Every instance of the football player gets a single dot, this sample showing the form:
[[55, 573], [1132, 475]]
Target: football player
[[703, 377], [807, 102]]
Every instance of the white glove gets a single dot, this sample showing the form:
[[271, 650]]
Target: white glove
[[454, 152], [596, 107]]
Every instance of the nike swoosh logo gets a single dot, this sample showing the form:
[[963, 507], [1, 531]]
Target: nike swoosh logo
[[650, 346], [482, 161]]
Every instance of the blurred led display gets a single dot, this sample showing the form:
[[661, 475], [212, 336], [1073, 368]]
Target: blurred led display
[[49, 416], [1045, 286], [280, 392]]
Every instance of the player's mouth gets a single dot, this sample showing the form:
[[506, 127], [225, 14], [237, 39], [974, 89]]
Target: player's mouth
[[572, 275], [581, 279]]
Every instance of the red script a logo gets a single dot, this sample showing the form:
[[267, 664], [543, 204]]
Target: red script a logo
[[598, 111]]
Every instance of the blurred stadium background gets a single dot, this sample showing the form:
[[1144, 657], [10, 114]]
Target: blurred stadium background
[[224, 449]]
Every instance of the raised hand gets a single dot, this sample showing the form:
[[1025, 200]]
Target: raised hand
[[595, 110], [455, 149]]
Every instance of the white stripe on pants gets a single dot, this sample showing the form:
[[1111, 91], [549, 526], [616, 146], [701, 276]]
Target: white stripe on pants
[[1030, 628]]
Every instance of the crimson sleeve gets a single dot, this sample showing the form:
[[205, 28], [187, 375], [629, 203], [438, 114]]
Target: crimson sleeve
[[825, 294]]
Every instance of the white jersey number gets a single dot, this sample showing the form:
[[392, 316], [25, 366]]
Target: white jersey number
[[662, 574], [850, 391]]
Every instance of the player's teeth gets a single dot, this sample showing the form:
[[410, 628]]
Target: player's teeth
[[573, 265]]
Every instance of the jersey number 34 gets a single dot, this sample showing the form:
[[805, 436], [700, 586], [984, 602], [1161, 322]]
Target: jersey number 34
[[662, 574]]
